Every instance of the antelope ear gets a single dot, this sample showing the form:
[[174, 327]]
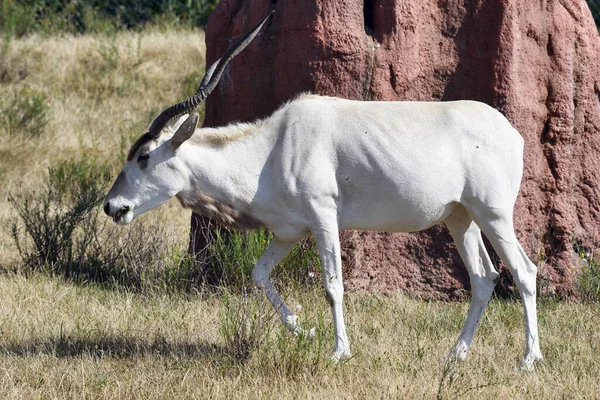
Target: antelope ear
[[185, 131]]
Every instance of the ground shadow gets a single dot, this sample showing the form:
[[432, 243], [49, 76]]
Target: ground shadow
[[115, 347]]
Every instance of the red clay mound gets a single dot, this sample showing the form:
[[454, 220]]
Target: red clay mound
[[536, 61]]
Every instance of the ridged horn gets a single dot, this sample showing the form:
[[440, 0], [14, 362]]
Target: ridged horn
[[209, 82]]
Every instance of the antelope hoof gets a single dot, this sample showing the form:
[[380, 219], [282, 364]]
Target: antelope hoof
[[340, 355], [458, 352], [528, 362], [305, 333], [291, 322]]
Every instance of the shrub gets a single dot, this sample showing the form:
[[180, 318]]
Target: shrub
[[59, 231], [589, 280], [15, 19], [60, 222], [233, 255], [25, 114]]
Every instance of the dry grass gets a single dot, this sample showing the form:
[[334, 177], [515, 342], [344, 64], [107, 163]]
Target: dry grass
[[60, 340], [64, 341]]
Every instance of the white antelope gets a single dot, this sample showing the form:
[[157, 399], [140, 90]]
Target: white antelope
[[321, 164]]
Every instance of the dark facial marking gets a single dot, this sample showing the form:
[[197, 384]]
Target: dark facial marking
[[142, 159], [144, 139]]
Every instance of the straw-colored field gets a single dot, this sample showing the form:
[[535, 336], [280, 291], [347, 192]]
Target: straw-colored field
[[64, 341], [90, 97]]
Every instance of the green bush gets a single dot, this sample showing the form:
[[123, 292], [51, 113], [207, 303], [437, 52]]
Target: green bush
[[60, 230], [60, 221], [233, 255], [20, 17], [15, 19]]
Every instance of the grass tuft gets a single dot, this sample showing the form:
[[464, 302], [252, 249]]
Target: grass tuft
[[589, 280], [25, 113]]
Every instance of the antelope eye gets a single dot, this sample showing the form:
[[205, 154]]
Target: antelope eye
[[143, 157]]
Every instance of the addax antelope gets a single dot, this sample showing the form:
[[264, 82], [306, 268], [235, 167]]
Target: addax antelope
[[321, 164]]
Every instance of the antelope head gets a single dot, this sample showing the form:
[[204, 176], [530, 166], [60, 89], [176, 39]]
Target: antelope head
[[153, 173]]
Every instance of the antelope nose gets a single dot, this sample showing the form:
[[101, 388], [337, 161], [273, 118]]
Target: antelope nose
[[107, 208]]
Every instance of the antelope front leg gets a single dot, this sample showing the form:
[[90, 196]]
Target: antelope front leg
[[328, 241], [261, 274]]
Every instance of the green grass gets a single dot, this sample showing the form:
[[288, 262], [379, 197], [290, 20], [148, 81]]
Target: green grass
[[21, 17], [589, 280]]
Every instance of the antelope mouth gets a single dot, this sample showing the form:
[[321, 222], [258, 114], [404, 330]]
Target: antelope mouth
[[123, 216]]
